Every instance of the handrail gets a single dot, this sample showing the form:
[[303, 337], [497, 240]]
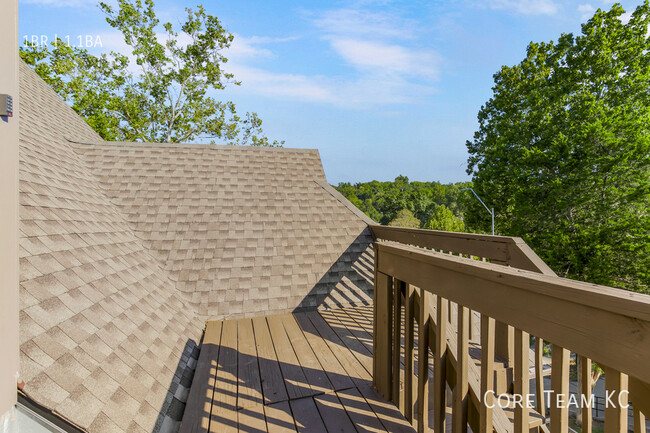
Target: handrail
[[503, 250], [610, 326], [522, 298], [506, 250]]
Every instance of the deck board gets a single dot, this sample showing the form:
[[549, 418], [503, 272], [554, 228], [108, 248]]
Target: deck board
[[301, 372], [224, 400], [273, 382], [308, 360], [360, 411], [356, 347], [335, 418], [279, 418], [354, 329], [351, 364], [249, 389], [294, 377], [308, 419], [199, 401], [251, 420], [331, 365]]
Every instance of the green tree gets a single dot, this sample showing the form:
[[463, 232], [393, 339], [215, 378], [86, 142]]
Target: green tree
[[382, 200], [165, 95], [444, 219], [405, 218], [562, 151]]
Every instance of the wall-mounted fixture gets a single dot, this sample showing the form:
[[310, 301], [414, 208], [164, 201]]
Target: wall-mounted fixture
[[6, 105]]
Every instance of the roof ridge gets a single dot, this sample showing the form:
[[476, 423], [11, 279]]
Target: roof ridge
[[194, 146]]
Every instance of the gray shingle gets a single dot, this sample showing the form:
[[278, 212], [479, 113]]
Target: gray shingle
[[127, 248]]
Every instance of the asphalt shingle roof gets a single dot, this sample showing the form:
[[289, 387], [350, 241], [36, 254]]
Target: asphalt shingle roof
[[126, 248]]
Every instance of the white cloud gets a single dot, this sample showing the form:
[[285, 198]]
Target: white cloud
[[357, 22], [391, 67], [293, 86], [62, 3], [360, 93], [387, 58], [586, 11], [244, 48], [253, 47], [377, 42], [241, 49], [525, 7], [386, 66]]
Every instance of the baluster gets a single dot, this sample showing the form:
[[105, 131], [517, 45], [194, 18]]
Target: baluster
[[522, 380], [616, 413], [560, 386], [440, 367], [639, 421], [423, 362], [539, 376], [408, 353], [505, 343], [382, 350], [586, 394], [459, 409], [487, 373], [472, 323], [397, 338]]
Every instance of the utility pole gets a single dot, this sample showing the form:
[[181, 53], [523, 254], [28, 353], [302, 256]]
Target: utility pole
[[491, 211]]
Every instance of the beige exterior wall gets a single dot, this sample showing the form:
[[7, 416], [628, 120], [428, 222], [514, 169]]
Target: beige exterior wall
[[9, 360]]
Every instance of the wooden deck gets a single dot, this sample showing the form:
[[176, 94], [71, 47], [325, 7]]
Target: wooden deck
[[305, 372]]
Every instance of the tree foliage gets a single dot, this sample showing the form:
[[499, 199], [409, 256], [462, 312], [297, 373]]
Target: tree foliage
[[159, 92], [405, 218], [444, 219], [381, 201], [563, 147]]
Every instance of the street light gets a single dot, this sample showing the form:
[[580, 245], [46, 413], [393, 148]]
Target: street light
[[486, 208]]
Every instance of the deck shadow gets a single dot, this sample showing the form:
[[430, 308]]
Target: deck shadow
[[227, 395]]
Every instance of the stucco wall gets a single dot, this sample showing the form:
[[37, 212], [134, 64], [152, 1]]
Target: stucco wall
[[9, 306]]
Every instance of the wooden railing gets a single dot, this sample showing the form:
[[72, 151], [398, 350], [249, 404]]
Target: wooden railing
[[428, 286], [503, 250]]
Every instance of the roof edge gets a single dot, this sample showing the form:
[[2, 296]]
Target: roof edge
[[193, 146], [57, 420], [345, 202]]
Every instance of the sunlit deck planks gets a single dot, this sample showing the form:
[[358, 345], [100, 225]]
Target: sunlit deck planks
[[305, 372]]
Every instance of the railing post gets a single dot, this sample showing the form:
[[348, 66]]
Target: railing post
[[539, 376], [408, 353], [522, 381], [585, 374], [560, 387], [504, 342], [461, 390], [440, 366], [382, 344], [397, 340], [487, 374], [423, 362], [616, 406], [639, 421]]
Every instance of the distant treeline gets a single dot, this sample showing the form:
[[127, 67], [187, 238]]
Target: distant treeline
[[410, 204]]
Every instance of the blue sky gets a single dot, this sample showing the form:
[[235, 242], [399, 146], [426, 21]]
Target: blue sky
[[381, 88]]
